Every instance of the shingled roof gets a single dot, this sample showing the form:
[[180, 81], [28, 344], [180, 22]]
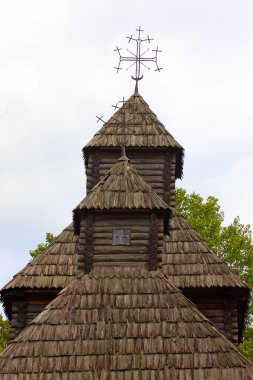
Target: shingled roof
[[189, 262], [122, 188], [143, 130], [122, 323], [52, 268]]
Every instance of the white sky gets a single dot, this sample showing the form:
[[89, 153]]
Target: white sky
[[56, 75]]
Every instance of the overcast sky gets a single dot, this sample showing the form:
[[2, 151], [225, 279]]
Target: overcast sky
[[57, 73]]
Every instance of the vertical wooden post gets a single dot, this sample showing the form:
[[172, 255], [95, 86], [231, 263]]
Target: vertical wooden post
[[96, 168], [88, 249], [172, 200], [228, 308], [18, 321], [169, 179], [153, 242], [166, 178]]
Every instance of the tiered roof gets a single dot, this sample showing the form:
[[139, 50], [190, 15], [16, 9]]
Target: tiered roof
[[122, 323], [187, 261], [120, 189], [125, 322]]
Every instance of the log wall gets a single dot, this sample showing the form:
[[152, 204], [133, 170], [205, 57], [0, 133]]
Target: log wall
[[158, 169], [24, 311], [219, 308], [96, 240]]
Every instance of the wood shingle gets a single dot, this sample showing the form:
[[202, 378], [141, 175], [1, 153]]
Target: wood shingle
[[142, 130], [122, 323]]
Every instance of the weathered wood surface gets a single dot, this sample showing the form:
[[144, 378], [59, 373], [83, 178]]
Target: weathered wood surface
[[53, 268], [143, 128], [220, 309], [141, 248], [189, 262], [24, 311], [101, 327], [122, 188], [158, 170]]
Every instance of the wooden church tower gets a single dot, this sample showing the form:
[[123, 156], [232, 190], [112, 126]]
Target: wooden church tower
[[128, 290]]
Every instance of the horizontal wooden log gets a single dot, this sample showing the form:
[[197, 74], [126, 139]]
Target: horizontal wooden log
[[120, 222], [218, 324], [37, 301], [120, 249], [120, 257], [108, 243], [102, 229], [30, 317], [211, 306], [108, 235], [121, 264], [35, 308], [135, 160], [213, 313], [128, 216], [144, 165], [141, 169]]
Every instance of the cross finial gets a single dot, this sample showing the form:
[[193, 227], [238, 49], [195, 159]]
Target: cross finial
[[138, 58]]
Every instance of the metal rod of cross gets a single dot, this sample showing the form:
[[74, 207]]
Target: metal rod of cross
[[138, 57]]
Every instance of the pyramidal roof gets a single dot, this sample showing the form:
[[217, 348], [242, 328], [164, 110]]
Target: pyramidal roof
[[189, 262], [122, 323], [122, 188], [54, 267], [142, 130]]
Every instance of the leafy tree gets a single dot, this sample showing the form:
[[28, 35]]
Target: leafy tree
[[205, 216], [40, 247], [247, 345], [233, 243], [4, 333]]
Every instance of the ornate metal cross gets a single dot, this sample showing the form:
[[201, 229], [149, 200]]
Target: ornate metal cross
[[138, 58]]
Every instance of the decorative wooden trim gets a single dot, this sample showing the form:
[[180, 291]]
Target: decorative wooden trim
[[88, 250], [172, 184], [169, 179], [153, 242], [93, 175], [166, 177], [21, 314]]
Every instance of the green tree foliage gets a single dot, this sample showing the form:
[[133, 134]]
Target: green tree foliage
[[233, 243], [247, 344], [205, 216], [40, 247], [4, 333]]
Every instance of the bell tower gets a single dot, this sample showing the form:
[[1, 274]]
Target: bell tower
[[153, 151]]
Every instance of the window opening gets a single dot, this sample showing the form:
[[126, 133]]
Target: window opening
[[121, 236]]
